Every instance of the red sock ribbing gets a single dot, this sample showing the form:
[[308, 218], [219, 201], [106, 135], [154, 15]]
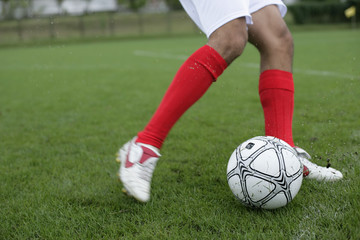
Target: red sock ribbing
[[191, 81], [276, 90]]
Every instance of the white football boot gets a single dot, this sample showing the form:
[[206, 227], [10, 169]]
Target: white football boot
[[137, 164], [317, 172]]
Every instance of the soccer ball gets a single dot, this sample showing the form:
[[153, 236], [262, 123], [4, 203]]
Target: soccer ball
[[264, 172]]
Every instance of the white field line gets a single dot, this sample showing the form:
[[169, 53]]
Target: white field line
[[247, 65]]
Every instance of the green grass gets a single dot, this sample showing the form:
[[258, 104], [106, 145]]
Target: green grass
[[66, 109]]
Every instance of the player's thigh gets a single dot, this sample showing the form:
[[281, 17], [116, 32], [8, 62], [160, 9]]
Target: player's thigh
[[269, 28], [209, 15]]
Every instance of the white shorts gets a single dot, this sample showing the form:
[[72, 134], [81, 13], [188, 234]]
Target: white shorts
[[209, 15]]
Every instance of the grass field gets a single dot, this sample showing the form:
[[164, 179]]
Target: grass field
[[66, 109]]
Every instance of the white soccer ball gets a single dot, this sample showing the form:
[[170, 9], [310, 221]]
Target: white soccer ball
[[264, 172]]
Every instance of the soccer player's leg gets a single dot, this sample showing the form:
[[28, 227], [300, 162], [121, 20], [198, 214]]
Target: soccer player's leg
[[276, 88], [138, 157], [192, 80]]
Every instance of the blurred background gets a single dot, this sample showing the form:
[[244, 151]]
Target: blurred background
[[36, 21]]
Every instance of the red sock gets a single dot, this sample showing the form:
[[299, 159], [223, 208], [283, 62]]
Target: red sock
[[276, 90], [191, 81]]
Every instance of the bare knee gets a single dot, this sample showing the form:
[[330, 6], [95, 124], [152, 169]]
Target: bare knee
[[279, 52], [279, 42], [276, 47], [230, 40], [285, 42]]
